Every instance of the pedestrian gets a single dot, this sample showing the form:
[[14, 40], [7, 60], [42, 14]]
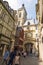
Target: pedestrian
[[11, 56], [17, 59], [5, 57], [25, 54], [22, 53]]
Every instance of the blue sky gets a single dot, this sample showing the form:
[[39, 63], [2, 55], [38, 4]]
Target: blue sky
[[29, 5]]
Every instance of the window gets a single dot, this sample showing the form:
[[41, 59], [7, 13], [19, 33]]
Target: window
[[42, 19], [36, 35], [42, 39], [2, 14], [39, 19], [18, 22], [1, 28], [36, 27], [10, 23], [25, 35], [0, 10], [28, 23], [19, 14], [6, 18], [8, 33], [42, 16]]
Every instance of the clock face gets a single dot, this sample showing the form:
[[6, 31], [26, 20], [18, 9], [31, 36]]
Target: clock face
[[29, 35]]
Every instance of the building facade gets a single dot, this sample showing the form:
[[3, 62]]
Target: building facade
[[30, 34], [7, 28], [9, 20], [22, 15], [39, 17]]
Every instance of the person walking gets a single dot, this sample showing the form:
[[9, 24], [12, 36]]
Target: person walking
[[17, 59], [11, 56], [25, 54], [5, 57]]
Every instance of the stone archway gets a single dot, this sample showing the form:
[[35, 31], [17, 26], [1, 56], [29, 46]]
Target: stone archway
[[28, 47]]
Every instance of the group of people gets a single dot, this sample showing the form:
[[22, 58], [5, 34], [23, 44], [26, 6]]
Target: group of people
[[11, 58]]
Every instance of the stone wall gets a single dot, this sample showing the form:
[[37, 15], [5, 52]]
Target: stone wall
[[7, 28]]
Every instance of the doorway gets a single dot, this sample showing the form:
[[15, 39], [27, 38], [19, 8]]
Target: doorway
[[29, 48]]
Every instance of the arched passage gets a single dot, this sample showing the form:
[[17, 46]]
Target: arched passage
[[29, 47]]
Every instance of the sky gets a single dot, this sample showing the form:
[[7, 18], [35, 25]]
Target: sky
[[29, 6]]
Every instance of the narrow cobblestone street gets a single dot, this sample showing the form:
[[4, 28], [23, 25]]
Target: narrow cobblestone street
[[21, 32], [29, 60]]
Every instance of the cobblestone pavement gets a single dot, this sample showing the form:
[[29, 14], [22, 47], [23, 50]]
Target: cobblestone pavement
[[29, 60]]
